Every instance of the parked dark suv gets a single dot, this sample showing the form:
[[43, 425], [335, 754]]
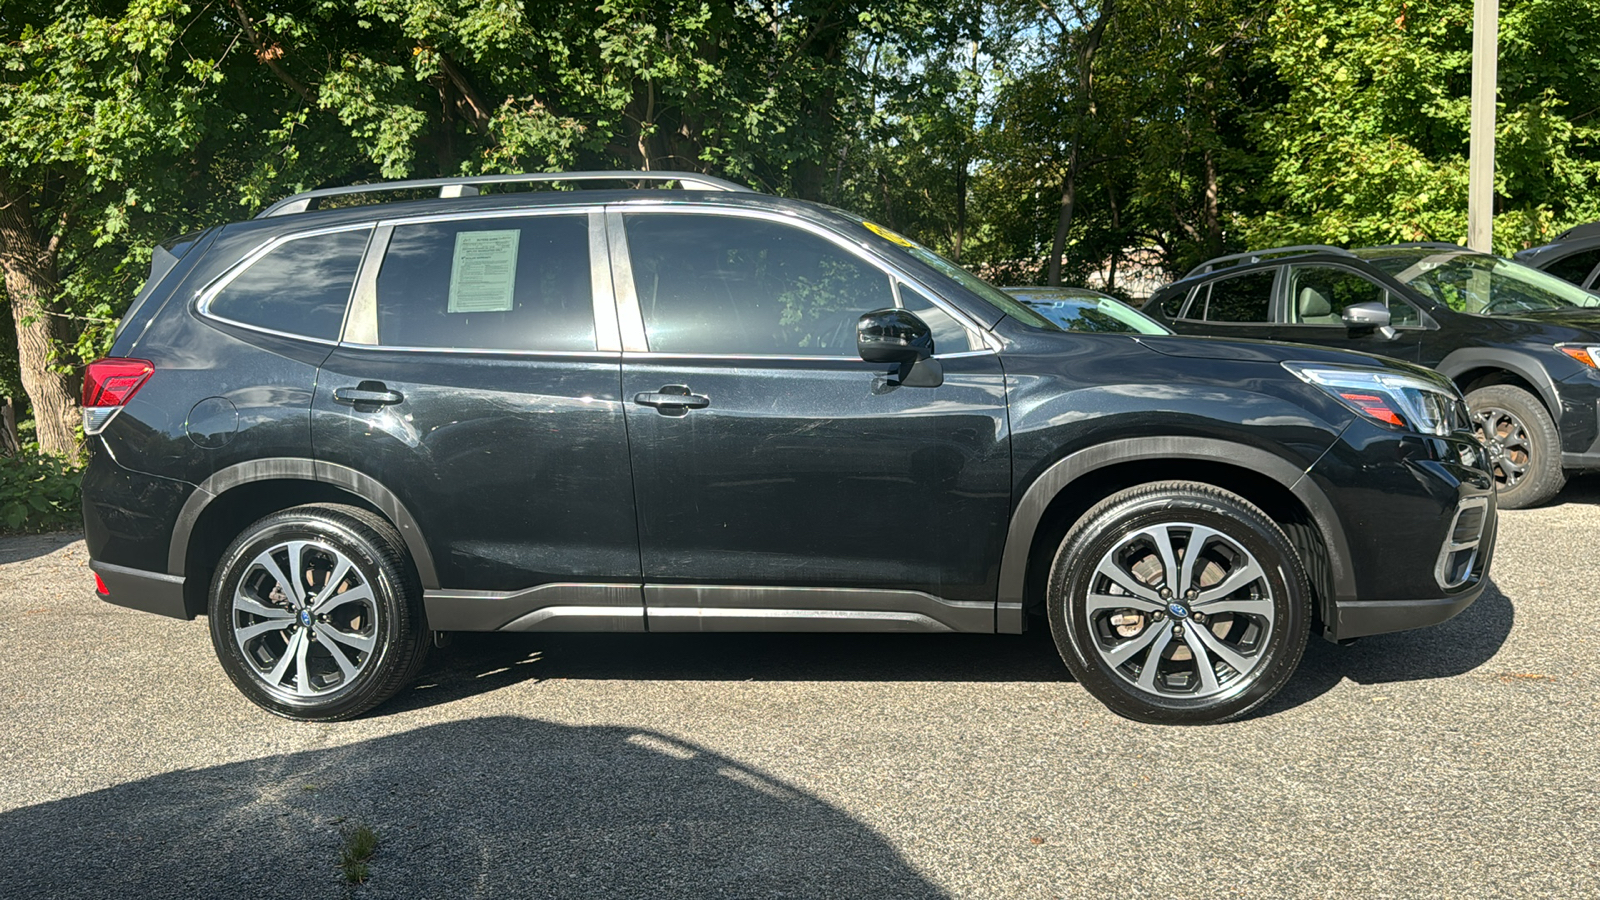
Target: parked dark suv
[[1515, 340], [338, 430]]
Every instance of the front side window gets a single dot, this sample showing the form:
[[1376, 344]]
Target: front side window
[[1576, 267], [949, 335], [732, 285], [1241, 299], [300, 286], [1318, 295], [519, 283]]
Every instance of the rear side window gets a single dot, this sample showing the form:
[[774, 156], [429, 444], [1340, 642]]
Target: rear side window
[[1575, 268], [300, 286], [732, 285], [488, 284], [1243, 299]]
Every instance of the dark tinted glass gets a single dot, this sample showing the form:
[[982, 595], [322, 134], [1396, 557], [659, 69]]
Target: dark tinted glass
[[949, 336], [300, 287], [488, 284], [1575, 268], [725, 284], [1242, 298], [1318, 295]]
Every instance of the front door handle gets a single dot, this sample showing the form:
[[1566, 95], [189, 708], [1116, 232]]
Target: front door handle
[[367, 395], [672, 400]]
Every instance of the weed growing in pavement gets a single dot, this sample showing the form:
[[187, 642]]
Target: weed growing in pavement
[[359, 843]]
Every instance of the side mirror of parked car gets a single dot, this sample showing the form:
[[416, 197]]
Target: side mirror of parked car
[[1362, 318], [899, 336]]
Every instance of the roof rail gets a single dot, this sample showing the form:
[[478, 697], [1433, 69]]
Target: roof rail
[[467, 186], [1235, 259], [1423, 245]]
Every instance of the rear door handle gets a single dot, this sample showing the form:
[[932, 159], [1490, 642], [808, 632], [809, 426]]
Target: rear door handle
[[672, 400], [355, 396]]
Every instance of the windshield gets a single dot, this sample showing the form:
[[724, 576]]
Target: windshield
[[994, 296], [1484, 285], [1089, 313]]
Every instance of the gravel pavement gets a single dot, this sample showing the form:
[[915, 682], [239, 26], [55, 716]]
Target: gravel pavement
[[1458, 761]]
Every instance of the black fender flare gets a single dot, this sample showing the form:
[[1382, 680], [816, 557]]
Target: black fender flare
[[1058, 477], [293, 469], [1523, 365]]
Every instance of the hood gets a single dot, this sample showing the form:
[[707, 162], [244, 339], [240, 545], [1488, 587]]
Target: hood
[[1240, 350], [1578, 318]]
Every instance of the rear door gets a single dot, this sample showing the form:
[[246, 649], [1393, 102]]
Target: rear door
[[477, 383], [796, 486], [1234, 306]]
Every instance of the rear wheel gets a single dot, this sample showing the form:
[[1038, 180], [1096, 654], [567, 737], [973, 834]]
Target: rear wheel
[[315, 614], [1179, 603], [1524, 446]]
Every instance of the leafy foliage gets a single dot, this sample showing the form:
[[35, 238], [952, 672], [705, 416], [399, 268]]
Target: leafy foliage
[[38, 492]]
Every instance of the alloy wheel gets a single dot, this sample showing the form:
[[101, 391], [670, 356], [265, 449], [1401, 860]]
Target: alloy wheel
[[1507, 439], [1180, 610]]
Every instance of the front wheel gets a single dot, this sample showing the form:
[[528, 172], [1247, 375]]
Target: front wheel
[[1524, 446], [1179, 603], [315, 614]]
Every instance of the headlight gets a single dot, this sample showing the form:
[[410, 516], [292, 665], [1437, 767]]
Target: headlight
[[1587, 354], [1395, 399]]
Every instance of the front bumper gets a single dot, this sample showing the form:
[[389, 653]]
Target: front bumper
[[1364, 618]]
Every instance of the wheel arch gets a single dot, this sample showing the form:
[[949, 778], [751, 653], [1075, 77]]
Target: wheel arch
[[234, 497], [1472, 368], [1060, 496]]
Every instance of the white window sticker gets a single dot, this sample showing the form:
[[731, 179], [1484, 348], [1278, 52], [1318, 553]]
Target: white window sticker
[[483, 274]]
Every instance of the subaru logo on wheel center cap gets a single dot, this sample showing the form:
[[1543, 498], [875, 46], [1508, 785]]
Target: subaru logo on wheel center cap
[[1178, 610], [305, 617]]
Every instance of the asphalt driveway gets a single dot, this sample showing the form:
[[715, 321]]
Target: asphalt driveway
[[1456, 761]]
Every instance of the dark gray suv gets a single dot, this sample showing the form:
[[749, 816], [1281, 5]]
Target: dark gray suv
[[335, 431]]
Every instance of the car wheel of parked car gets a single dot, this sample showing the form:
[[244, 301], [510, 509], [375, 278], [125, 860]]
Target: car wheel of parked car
[[315, 613], [1179, 603], [1524, 446]]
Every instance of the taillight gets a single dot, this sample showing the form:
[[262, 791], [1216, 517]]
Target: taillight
[[108, 384]]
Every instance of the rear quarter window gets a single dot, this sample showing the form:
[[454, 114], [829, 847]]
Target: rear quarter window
[[299, 287]]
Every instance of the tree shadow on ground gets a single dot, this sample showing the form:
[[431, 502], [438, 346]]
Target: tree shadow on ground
[[493, 807], [16, 548]]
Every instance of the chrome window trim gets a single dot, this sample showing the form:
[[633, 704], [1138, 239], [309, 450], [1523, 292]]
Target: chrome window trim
[[598, 269], [487, 351], [205, 295], [361, 316], [607, 330], [628, 301], [629, 317]]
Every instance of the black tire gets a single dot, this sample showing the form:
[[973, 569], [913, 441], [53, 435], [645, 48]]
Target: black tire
[[1263, 621], [1524, 446], [371, 617]]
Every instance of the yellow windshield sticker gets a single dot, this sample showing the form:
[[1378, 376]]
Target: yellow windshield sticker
[[883, 232]]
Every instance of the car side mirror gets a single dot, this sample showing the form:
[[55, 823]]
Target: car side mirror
[[1365, 318], [900, 336]]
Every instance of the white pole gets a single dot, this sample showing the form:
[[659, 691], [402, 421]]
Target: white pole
[[1480, 167]]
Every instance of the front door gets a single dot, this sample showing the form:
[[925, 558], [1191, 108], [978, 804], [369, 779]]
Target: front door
[[782, 482], [1316, 295]]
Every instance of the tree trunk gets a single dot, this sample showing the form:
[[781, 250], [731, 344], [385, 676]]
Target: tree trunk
[[9, 444], [1213, 216], [1069, 198], [33, 284]]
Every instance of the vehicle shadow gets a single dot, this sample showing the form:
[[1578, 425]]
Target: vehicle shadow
[[497, 807], [1584, 488], [477, 663], [16, 548], [1453, 648]]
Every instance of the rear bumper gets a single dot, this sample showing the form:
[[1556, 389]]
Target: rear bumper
[[145, 591]]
